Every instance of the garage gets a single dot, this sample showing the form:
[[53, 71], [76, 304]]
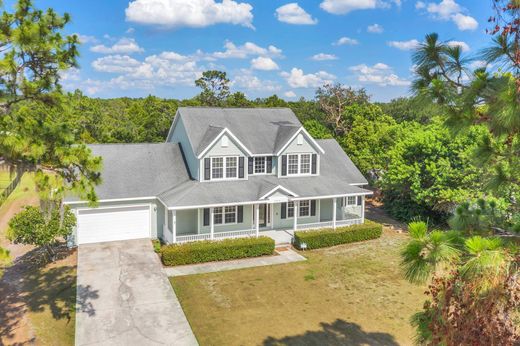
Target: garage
[[114, 223]]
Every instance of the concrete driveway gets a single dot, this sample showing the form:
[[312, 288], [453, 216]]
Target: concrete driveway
[[124, 298]]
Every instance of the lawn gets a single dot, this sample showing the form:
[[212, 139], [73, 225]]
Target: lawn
[[351, 294], [37, 300]]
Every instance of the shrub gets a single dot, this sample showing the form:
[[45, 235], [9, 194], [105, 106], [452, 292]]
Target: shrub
[[342, 235], [208, 251]]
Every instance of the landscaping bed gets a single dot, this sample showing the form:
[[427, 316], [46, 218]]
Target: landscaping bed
[[321, 238], [210, 251]]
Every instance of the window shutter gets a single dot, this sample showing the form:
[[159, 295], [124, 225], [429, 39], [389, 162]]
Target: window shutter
[[250, 161], [359, 200], [341, 201], [313, 207], [269, 164], [241, 167], [314, 164], [283, 211], [206, 217], [284, 165], [240, 214], [207, 168]]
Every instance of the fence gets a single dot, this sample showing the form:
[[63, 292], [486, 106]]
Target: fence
[[4, 193]]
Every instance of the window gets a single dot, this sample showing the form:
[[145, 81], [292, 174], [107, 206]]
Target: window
[[292, 164], [305, 209], [224, 215], [230, 214], [231, 167], [217, 167], [305, 163], [260, 165], [224, 167], [350, 200], [299, 164], [290, 209], [217, 216]]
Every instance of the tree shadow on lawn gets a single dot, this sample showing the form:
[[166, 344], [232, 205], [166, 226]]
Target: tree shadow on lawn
[[338, 332], [31, 285]]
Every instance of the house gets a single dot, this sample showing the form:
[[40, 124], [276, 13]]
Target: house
[[222, 173]]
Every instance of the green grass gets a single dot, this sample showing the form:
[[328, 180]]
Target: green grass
[[349, 294]]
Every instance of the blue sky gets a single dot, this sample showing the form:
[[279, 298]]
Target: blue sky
[[159, 47]]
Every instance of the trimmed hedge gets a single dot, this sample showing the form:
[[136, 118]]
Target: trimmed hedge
[[209, 251], [342, 235]]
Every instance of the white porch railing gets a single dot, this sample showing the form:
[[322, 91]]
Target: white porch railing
[[216, 236], [235, 234], [328, 224]]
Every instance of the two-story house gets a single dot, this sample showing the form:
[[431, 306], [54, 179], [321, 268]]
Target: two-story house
[[222, 173]]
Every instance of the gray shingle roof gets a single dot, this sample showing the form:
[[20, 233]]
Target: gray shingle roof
[[138, 170], [273, 127], [158, 170]]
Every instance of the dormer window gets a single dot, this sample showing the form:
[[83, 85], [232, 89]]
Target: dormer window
[[300, 164], [224, 167]]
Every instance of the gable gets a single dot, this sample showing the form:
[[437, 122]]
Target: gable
[[301, 142], [224, 145]]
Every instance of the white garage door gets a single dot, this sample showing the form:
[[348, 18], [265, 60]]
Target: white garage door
[[109, 224]]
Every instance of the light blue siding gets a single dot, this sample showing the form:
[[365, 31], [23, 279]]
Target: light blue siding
[[305, 147], [186, 221], [179, 135], [246, 224], [326, 209]]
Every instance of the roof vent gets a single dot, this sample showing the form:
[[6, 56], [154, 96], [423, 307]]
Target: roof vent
[[300, 139], [225, 141]]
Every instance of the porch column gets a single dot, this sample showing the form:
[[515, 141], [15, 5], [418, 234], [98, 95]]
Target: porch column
[[296, 213], [257, 222], [165, 223], [334, 201], [362, 209], [174, 225], [211, 223]]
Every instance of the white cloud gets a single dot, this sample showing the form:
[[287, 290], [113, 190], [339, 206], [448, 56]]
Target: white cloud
[[289, 94], [249, 81], [86, 38], [123, 46], [293, 14], [264, 64], [404, 45], [465, 22], [463, 45], [323, 57], [189, 13], [297, 79], [70, 75], [379, 74], [449, 10], [346, 6], [375, 29], [130, 31], [345, 41], [115, 64], [246, 50]]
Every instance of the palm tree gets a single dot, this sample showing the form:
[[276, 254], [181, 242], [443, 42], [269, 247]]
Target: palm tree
[[471, 282]]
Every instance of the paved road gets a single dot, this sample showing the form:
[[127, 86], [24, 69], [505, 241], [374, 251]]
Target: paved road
[[124, 298]]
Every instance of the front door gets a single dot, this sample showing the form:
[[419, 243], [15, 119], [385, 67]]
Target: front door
[[264, 218]]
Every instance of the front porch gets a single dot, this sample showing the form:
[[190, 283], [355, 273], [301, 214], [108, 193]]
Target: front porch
[[271, 218]]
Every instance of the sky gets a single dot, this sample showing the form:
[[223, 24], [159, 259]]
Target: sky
[[159, 47]]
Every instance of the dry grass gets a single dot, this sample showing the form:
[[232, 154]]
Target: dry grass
[[352, 294]]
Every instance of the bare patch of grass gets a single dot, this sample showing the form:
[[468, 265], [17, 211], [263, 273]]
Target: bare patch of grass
[[349, 294]]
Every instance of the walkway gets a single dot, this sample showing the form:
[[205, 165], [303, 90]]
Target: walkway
[[281, 237], [283, 257], [124, 298]]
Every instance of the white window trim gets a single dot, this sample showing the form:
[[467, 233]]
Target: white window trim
[[265, 165], [224, 162], [224, 216], [346, 203], [300, 174], [299, 209]]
